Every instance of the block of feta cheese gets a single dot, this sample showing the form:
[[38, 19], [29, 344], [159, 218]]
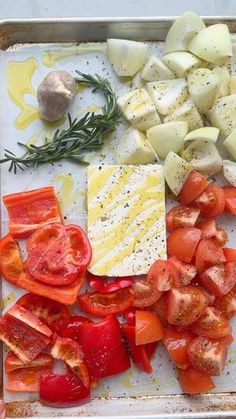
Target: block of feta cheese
[[126, 218]]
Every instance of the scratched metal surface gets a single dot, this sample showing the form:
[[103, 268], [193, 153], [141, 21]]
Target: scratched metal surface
[[132, 394]]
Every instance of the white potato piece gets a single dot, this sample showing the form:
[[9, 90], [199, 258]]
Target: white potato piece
[[133, 148], [212, 44], [126, 57], [187, 112], [222, 73], [204, 157], [181, 62], [176, 171], [139, 109], [232, 85], [203, 86], [230, 144], [223, 114], [167, 137], [229, 171], [168, 94], [155, 70], [205, 134], [182, 31]]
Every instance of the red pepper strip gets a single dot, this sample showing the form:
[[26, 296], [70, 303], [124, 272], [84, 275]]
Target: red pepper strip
[[24, 341], [104, 351], [138, 353], [129, 316], [151, 349], [64, 294], [102, 305], [29, 210], [63, 391], [29, 318], [11, 264], [69, 327], [100, 284], [12, 362]]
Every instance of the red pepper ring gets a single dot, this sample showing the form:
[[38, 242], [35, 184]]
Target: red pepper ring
[[57, 254]]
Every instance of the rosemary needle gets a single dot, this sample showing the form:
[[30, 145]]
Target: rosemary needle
[[82, 135]]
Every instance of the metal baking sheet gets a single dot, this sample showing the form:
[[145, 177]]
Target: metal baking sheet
[[33, 46]]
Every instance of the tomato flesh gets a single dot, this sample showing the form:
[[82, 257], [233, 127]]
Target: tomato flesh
[[230, 199], [162, 275], [148, 328], [181, 216], [219, 279], [208, 254], [210, 230], [183, 242], [193, 381], [212, 324], [176, 342], [186, 272], [145, 293], [230, 254], [207, 355], [212, 201], [227, 304], [160, 308], [194, 185], [11, 264]]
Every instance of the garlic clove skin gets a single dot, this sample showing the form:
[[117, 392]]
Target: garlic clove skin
[[55, 94]]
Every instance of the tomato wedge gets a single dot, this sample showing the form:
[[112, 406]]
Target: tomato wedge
[[207, 355], [212, 324], [177, 342], [29, 210], [145, 293], [57, 254], [230, 254], [30, 319], [160, 308], [186, 272], [183, 242], [230, 199], [210, 230], [162, 275], [102, 305], [194, 185], [64, 294], [208, 254], [11, 264], [219, 279], [212, 201], [65, 390], [68, 350], [104, 351], [138, 353], [181, 216], [227, 304], [148, 328], [24, 341], [185, 305], [193, 381], [48, 311]]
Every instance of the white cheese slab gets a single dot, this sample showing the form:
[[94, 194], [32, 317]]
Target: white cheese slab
[[126, 218]]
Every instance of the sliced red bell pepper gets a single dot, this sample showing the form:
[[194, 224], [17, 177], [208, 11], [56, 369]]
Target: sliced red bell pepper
[[29, 210], [102, 305], [104, 351], [68, 350], [64, 294], [101, 284], [30, 319], [138, 353], [129, 316], [69, 327], [57, 254], [64, 390], [25, 377], [24, 341], [11, 264]]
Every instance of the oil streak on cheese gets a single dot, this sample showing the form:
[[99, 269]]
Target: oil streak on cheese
[[126, 218]]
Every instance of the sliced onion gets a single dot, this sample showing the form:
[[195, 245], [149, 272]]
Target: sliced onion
[[176, 171], [127, 57], [205, 134], [204, 157], [229, 171]]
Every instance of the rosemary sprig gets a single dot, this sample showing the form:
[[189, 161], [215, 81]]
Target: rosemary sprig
[[85, 134]]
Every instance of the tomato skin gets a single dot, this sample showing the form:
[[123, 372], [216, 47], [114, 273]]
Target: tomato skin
[[102, 305], [210, 230], [11, 264], [220, 279], [208, 254], [193, 381], [176, 342], [25, 342], [160, 308], [101, 344], [57, 254], [145, 293], [230, 254], [29, 210], [212, 201], [181, 216], [186, 272], [185, 305], [183, 242], [212, 324], [162, 275], [138, 353], [65, 390], [230, 199], [148, 328], [207, 355], [64, 294], [69, 327], [194, 185], [227, 304]]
